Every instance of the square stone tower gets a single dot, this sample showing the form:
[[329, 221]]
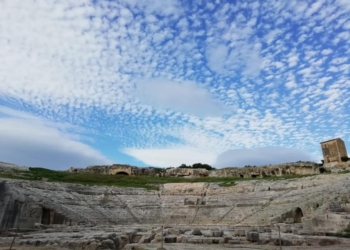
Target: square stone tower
[[333, 150]]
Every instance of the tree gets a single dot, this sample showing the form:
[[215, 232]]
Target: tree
[[198, 165]]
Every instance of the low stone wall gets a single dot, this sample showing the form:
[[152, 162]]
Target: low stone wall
[[295, 168], [116, 169], [187, 172], [292, 168]]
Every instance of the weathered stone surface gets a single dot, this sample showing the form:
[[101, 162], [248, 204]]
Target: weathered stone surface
[[248, 203], [253, 236], [196, 231], [239, 233], [329, 242], [218, 233], [284, 242], [289, 220]]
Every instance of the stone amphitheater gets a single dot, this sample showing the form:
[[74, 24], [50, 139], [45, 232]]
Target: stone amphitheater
[[307, 213]]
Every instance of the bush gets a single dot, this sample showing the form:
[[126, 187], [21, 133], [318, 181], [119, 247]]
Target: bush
[[197, 165]]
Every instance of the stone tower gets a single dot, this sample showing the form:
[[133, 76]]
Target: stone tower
[[334, 150]]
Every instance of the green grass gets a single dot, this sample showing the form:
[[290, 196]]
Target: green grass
[[147, 182]]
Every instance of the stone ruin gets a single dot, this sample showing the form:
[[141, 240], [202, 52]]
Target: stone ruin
[[293, 168], [248, 215], [119, 169]]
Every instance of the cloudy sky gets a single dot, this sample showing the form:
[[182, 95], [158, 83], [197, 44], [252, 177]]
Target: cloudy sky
[[166, 82]]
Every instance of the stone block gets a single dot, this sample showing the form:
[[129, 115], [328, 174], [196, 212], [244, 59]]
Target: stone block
[[207, 241], [181, 239], [216, 241], [195, 240], [207, 233], [329, 242], [253, 236], [239, 233], [196, 231], [174, 231], [284, 242], [227, 239], [285, 229], [218, 233], [234, 242], [108, 244]]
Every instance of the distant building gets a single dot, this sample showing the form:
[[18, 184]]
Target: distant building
[[334, 150]]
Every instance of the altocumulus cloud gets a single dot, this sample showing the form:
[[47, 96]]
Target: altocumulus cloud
[[185, 97], [30, 141], [217, 75], [261, 156]]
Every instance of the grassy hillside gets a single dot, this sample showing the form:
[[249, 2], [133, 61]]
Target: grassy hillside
[[148, 182]]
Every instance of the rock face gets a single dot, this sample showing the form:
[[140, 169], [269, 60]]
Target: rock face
[[295, 168], [187, 172], [249, 203], [251, 212], [9, 167]]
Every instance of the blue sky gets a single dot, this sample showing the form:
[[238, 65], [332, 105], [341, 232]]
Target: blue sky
[[161, 83]]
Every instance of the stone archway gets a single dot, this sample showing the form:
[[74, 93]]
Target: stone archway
[[121, 173], [298, 214]]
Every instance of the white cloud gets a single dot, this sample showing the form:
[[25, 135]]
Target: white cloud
[[293, 60], [76, 62], [261, 156], [186, 97], [171, 157], [31, 141]]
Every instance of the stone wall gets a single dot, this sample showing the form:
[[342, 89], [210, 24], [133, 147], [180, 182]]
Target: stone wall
[[294, 168], [116, 169], [187, 172]]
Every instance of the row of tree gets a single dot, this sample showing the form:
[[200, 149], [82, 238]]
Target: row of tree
[[197, 165]]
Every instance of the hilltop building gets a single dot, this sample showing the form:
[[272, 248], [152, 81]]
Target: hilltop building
[[334, 150]]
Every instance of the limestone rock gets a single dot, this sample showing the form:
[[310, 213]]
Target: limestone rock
[[253, 236], [196, 231], [240, 233]]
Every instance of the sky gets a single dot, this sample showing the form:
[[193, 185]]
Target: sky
[[165, 82]]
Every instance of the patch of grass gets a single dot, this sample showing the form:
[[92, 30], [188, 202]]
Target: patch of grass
[[147, 182], [227, 184], [287, 177], [339, 235]]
